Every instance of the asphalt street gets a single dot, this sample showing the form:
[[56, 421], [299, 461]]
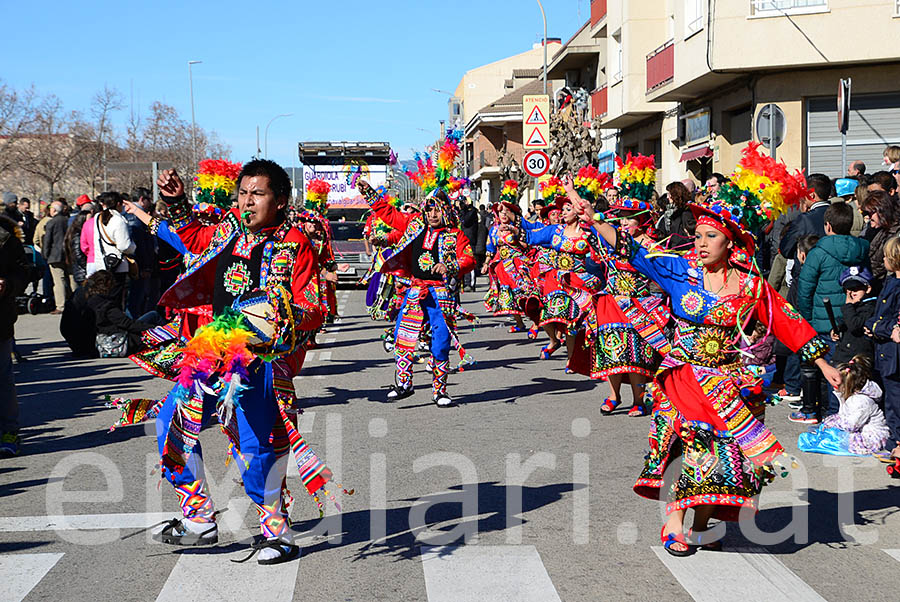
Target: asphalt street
[[522, 492]]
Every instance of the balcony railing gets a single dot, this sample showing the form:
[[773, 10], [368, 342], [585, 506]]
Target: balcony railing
[[598, 11], [781, 7], [599, 102], [661, 66]]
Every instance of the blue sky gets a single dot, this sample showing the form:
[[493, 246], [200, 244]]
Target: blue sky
[[347, 70]]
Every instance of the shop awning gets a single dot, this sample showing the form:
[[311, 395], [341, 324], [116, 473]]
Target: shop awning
[[696, 153]]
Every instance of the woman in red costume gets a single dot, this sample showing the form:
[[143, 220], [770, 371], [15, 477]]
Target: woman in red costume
[[627, 338], [569, 287], [512, 291], [709, 449]]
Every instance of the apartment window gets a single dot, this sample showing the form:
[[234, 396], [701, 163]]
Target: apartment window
[[774, 8], [617, 57], [693, 17]]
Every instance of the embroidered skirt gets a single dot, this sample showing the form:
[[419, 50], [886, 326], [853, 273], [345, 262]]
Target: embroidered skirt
[[512, 289], [695, 458]]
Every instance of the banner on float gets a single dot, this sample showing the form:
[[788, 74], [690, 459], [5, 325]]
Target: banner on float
[[342, 194]]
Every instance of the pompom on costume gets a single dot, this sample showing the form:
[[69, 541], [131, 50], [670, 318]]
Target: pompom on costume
[[317, 196], [637, 176], [708, 408], [590, 183]]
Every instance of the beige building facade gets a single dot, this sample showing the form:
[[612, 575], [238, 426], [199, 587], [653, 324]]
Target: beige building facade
[[688, 85]]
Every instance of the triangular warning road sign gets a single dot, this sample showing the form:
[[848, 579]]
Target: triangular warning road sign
[[536, 117], [536, 138]]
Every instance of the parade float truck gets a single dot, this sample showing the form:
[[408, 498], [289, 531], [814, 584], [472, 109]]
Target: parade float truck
[[339, 164]]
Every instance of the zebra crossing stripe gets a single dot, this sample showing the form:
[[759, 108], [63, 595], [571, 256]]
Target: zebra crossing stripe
[[894, 553], [486, 574], [19, 573], [749, 574], [202, 576], [79, 522]]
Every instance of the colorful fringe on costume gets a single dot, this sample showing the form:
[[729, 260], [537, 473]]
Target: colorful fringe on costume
[[134, 411]]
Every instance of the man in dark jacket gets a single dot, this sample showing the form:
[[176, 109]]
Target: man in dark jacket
[[469, 225], [14, 268], [53, 247], [812, 220], [820, 280]]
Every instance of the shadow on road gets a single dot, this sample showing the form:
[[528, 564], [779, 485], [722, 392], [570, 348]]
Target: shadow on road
[[443, 516]]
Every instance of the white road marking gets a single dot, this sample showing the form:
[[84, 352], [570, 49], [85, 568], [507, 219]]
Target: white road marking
[[325, 356], [749, 574], [310, 356], [487, 574], [202, 576], [19, 573], [329, 340], [894, 553], [139, 520]]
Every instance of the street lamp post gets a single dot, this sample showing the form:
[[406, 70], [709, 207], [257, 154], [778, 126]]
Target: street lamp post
[[266, 137], [544, 17], [193, 120]]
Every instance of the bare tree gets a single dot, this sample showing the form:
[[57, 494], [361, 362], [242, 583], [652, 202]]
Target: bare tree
[[48, 148], [16, 116], [98, 138]]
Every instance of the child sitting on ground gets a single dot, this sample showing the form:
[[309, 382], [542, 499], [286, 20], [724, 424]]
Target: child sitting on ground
[[859, 427]]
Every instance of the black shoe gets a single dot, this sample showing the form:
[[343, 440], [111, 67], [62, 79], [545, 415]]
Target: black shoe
[[444, 401], [176, 534], [396, 393], [286, 551]]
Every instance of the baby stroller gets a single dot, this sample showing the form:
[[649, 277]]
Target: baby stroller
[[34, 303]]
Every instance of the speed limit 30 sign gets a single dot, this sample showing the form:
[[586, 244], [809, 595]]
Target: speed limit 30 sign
[[536, 163]]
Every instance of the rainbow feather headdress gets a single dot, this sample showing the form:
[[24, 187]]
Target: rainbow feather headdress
[[760, 191], [216, 180], [590, 183], [552, 189], [637, 176], [435, 170], [317, 196]]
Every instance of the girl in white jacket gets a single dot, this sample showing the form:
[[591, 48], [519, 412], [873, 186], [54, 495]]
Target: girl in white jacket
[[111, 226], [859, 428]]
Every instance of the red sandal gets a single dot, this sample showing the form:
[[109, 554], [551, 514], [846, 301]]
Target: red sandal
[[533, 333], [609, 406], [671, 539], [637, 410]]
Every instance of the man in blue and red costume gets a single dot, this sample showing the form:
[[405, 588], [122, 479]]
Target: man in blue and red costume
[[256, 263], [430, 253]]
